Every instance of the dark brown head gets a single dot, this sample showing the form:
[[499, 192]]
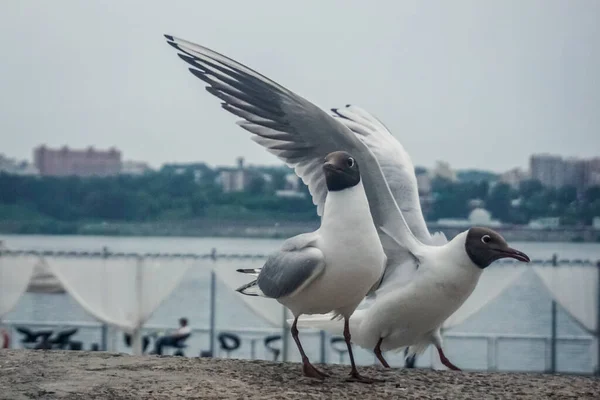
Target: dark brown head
[[484, 246], [341, 171]]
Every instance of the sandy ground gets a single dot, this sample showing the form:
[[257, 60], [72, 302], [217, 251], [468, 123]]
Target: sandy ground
[[80, 375]]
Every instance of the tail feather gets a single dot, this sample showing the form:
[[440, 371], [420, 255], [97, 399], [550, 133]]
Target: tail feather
[[251, 271], [326, 322], [250, 289], [331, 322]]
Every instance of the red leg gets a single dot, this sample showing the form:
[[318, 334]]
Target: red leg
[[354, 375], [379, 355], [307, 368], [445, 361]]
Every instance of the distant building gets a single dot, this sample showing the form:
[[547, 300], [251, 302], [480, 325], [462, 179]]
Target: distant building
[[235, 179], [554, 171], [443, 170], [574, 173], [293, 182], [292, 187], [423, 183], [199, 169], [476, 203], [85, 163], [477, 217], [15, 167], [514, 177], [135, 168], [593, 179], [290, 193], [544, 223], [596, 223], [548, 169], [592, 172]]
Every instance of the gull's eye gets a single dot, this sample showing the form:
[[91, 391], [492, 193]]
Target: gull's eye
[[486, 239], [350, 162]]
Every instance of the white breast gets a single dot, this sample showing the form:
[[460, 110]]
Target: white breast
[[445, 279], [353, 254]]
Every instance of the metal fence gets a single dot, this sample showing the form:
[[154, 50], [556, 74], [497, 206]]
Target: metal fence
[[255, 336], [254, 348]]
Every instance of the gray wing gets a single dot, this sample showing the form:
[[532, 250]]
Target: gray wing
[[297, 132], [395, 163], [399, 173], [295, 266]]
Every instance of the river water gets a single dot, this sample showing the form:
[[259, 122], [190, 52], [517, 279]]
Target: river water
[[524, 308]]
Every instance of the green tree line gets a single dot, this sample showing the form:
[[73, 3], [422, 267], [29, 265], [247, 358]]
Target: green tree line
[[171, 195], [516, 206], [163, 195]]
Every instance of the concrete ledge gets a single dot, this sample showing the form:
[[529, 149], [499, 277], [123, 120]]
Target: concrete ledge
[[95, 375]]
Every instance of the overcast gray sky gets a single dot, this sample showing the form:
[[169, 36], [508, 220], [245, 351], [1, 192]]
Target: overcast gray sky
[[477, 83]]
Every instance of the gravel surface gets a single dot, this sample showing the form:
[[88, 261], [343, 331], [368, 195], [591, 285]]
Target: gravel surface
[[27, 374]]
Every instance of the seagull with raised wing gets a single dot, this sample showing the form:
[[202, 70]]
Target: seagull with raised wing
[[410, 312], [332, 268], [417, 293], [440, 274]]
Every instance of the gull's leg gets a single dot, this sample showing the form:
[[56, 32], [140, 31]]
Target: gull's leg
[[354, 375], [445, 361], [307, 368], [379, 355]]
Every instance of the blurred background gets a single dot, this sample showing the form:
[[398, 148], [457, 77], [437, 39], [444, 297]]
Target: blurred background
[[128, 197]]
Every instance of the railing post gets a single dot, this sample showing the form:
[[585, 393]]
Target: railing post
[[252, 349], [547, 353], [553, 338], [213, 303], [104, 328], [136, 336], [323, 339], [598, 323], [104, 337], [492, 353]]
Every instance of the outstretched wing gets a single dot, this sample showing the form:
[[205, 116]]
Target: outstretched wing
[[395, 163], [297, 132], [399, 171]]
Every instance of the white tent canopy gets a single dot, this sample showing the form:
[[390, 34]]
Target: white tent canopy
[[120, 291], [575, 288], [42, 280], [124, 291], [493, 282], [269, 310], [15, 273]]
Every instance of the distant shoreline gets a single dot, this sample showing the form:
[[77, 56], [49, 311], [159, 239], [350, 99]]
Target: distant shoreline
[[268, 230]]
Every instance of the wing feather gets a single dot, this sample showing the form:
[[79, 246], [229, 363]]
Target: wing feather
[[300, 134]]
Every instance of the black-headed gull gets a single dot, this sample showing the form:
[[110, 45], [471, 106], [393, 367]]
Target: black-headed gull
[[301, 134], [332, 268], [427, 278]]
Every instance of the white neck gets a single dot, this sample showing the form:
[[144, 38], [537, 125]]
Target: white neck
[[348, 206], [459, 252]]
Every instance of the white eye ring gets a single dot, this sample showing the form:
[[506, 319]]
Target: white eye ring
[[486, 239], [350, 162]]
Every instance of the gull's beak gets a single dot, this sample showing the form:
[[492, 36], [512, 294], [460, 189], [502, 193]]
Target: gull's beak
[[512, 253], [330, 166]]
